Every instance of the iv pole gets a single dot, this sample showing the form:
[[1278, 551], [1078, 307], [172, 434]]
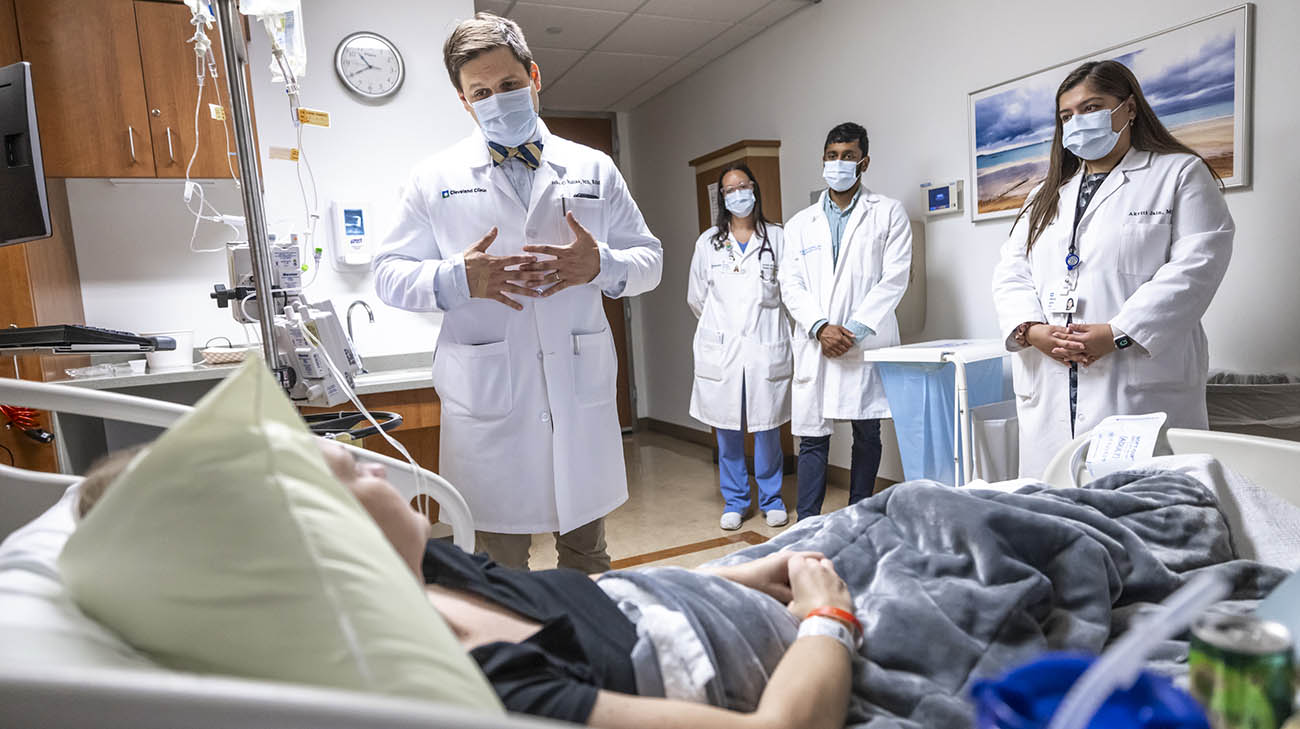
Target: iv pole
[[250, 175]]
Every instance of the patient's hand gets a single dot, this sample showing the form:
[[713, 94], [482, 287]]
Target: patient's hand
[[769, 575], [405, 528], [816, 584]]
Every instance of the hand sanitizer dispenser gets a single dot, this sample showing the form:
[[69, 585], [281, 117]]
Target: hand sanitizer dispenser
[[354, 235]]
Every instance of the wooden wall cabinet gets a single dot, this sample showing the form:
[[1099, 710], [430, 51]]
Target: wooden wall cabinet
[[115, 89]]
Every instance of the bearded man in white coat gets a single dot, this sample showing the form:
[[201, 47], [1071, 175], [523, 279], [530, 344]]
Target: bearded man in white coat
[[514, 234], [845, 269]]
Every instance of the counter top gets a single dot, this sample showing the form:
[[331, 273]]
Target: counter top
[[388, 373]]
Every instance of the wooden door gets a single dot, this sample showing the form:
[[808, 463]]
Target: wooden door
[[88, 85], [10, 51], [598, 133], [172, 92]]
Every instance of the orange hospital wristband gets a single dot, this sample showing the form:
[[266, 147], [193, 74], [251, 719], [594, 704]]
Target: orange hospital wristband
[[836, 614]]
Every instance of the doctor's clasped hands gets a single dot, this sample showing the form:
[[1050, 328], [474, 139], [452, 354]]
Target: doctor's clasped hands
[[573, 265], [488, 275]]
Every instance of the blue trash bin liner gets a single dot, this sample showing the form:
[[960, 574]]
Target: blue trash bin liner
[[921, 399]]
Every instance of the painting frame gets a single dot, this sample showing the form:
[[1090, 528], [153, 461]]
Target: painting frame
[[1243, 25]]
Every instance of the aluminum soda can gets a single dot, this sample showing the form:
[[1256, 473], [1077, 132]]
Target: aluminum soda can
[[1242, 670]]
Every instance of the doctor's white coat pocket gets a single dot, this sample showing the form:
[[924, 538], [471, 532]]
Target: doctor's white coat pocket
[[807, 363], [595, 368], [590, 212], [1024, 372], [709, 354], [474, 379], [780, 365], [1143, 248], [770, 295]]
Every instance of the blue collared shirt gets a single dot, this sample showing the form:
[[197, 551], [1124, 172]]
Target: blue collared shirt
[[838, 219]]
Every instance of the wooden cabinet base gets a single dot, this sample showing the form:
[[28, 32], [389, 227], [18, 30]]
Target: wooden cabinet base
[[421, 413]]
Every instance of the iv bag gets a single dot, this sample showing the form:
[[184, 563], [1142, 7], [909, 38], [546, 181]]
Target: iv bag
[[283, 22]]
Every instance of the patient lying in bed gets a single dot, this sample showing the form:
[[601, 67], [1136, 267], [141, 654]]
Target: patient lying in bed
[[552, 643], [951, 585]]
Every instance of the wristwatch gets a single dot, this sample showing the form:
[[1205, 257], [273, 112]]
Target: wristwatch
[[1123, 341]]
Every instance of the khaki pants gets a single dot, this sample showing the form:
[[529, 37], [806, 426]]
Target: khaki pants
[[582, 549]]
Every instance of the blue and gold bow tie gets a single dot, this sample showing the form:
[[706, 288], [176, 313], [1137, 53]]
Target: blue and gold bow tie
[[529, 152]]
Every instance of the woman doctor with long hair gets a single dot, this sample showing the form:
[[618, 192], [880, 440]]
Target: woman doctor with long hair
[[1110, 266], [742, 345]]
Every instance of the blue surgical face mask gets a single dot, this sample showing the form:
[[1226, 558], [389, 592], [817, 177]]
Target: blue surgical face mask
[[840, 174], [740, 202], [1091, 136], [508, 118]]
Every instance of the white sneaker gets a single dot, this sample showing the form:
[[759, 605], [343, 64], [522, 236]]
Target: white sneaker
[[730, 520], [777, 518]]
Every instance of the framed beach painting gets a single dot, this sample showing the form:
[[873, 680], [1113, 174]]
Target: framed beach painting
[[1196, 76]]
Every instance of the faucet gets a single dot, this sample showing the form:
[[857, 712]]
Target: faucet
[[369, 311]]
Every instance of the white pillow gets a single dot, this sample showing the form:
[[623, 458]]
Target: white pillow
[[229, 547], [40, 625]]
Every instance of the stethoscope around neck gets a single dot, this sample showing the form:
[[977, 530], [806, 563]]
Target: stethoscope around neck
[[766, 271]]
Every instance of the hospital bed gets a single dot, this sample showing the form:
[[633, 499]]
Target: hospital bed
[[1271, 463], [78, 697], [107, 698], [27, 493]]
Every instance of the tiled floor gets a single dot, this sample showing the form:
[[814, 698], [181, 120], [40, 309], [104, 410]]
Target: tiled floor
[[674, 502]]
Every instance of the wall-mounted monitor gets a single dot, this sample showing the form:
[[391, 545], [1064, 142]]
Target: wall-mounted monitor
[[24, 211]]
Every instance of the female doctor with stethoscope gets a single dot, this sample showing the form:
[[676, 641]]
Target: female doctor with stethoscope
[[742, 345], [1108, 270]]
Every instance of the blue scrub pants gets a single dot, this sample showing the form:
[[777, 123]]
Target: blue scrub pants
[[733, 474], [813, 454]]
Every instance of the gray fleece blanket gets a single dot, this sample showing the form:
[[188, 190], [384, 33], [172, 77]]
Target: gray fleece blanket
[[953, 585]]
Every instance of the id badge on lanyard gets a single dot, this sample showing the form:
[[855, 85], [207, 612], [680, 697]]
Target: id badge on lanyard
[[1064, 298]]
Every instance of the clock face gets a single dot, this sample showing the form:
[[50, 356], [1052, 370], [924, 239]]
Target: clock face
[[369, 65]]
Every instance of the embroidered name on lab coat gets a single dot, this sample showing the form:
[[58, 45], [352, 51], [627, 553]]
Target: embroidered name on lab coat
[[576, 181], [1166, 211]]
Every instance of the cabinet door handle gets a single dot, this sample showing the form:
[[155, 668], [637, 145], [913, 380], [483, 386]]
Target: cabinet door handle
[[130, 134], [171, 154]]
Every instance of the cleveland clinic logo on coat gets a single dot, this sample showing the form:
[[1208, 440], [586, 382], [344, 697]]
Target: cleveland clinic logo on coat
[[448, 193]]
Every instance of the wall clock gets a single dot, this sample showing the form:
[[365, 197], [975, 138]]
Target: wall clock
[[369, 65]]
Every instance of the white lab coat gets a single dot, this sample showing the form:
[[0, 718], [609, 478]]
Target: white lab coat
[[1154, 244], [866, 286], [530, 431], [743, 336]]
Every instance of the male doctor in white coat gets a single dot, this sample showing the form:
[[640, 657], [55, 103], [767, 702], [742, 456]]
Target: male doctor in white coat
[[846, 263], [514, 233]]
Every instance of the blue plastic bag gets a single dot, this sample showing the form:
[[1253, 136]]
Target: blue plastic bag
[[1026, 698]]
